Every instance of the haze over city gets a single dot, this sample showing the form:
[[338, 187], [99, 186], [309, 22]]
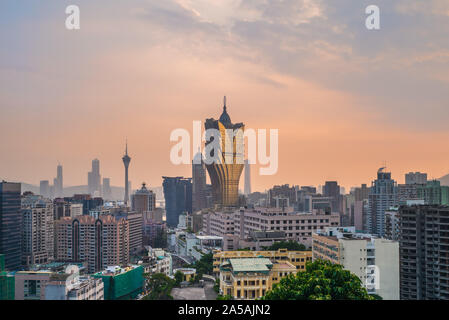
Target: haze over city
[[345, 100]]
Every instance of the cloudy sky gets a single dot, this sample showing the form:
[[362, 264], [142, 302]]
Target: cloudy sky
[[345, 99]]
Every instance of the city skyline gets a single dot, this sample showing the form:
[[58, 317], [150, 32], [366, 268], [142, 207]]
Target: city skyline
[[347, 100]]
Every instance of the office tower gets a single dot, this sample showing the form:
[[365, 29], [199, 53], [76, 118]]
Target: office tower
[[199, 192], [247, 190], [225, 173], [361, 193], [382, 196], [424, 252], [37, 231], [126, 160], [94, 179], [99, 242], [107, 192], [178, 198], [10, 224], [284, 191], [44, 188], [332, 189], [415, 178], [58, 183], [373, 260], [143, 200]]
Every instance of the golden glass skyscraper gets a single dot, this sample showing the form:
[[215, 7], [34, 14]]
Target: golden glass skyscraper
[[225, 174]]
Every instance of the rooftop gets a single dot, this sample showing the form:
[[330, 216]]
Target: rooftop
[[251, 264]]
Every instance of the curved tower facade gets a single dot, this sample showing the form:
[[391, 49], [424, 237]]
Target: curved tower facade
[[225, 174]]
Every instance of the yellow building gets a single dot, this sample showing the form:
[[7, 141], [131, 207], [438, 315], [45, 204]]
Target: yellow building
[[251, 278], [188, 273], [225, 172], [296, 258]]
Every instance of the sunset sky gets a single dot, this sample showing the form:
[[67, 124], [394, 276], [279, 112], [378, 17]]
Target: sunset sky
[[344, 99]]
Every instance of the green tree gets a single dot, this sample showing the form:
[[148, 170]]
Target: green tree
[[159, 287], [179, 277], [322, 280], [289, 245], [204, 265], [226, 297]]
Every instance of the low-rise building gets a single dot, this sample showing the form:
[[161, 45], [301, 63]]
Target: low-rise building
[[374, 260], [188, 273], [121, 283], [297, 258], [251, 278], [71, 286]]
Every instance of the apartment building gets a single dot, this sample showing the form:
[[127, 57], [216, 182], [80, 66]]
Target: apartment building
[[99, 242], [297, 258], [374, 260], [37, 230], [241, 224], [69, 285], [424, 252]]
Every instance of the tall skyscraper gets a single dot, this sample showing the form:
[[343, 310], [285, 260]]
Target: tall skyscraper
[[178, 198], [58, 183], [382, 196], [199, 192], [37, 231], [126, 160], [224, 175], [247, 190], [94, 179], [10, 224]]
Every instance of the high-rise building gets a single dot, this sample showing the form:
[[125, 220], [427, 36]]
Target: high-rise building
[[44, 188], [332, 189], [37, 231], [361, 193], [98, 242], [126, 160], [415, 178], [62, 208], [94, 179], [382, 196], [284, 191], [226, 167], [247, 190], [424, 252], [374, 260], [178, 198], [106, 188], [58, 183], [144, 200], [199, 189], [10, 224], [135, 221]]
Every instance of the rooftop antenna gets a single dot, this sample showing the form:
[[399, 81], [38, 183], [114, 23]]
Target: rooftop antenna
[[224, 103]]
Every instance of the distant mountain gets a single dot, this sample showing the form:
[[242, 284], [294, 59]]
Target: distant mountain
[[444, 180], [117, 192]]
